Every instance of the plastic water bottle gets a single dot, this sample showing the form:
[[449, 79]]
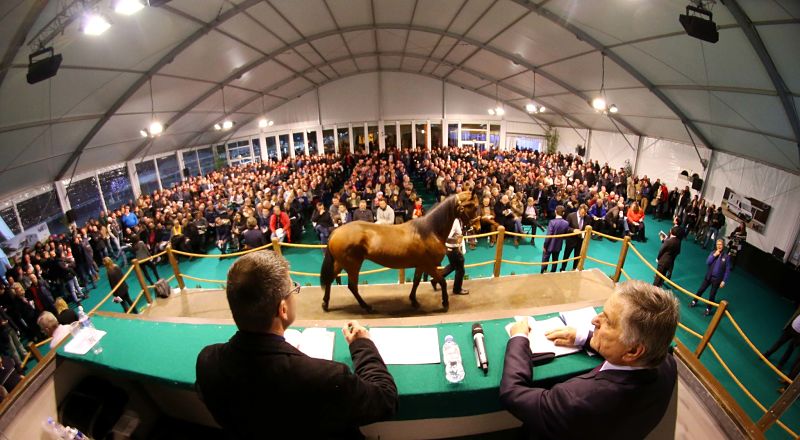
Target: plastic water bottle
[[84, 319], [451, 354], [57, 431], [86, 326]]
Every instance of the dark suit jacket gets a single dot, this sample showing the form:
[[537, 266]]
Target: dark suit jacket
[[114, 276], [258, 385], [557, 226], [610, 404], [572, 220], [670, 249]]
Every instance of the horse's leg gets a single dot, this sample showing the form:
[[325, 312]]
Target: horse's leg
[[413, 295], [326, 299], [439, 279], [352, 284]]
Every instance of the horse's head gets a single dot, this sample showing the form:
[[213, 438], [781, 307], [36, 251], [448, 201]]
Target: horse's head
[[467, 208]]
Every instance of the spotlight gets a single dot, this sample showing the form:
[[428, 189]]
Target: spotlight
[[530, 108], [613, 108], [263, 123], [43, 68], [143, 132], [156, 128], [542, 109], [227, 124], [491, 111], [500, 111], [697, 26], [217, 127], [94, 24], [271, 123], [127, 7], [599, 104]]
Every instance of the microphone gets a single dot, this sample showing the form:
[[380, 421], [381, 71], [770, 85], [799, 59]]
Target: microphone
[[480, 347]]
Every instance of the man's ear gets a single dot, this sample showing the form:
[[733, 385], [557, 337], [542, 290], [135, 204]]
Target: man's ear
[[634, 353], [283, 310]]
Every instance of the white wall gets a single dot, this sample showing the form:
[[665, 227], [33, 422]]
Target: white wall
[[407, 97], [570, 138], [666, 159], [611, 148], [779, 189]]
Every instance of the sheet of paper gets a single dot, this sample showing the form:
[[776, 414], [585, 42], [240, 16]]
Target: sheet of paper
[[314, 342], [84, 341], [409, 346], [538, 340], [580, 318]]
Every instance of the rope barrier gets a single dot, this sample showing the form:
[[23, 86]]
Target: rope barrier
[[124, 277], [517, 234], [610, 237], [745, 390], [300, 245], [220, 256], [690, 331], [625, 274], [205, 280], [600, 261], [669, 281], [753, 347], [539, 263], [485, 263], [476, 236], [136, 301], [152, 257], [42, 343]]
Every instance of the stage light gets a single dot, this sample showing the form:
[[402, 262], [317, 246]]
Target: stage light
[[500, 111], [217, 127], [271, 123], [599, 104], [542, 109], [530, 108], [143, 132], [156, 128], [491, 111], [41, 68], [94, 24], [697, 26], [263, 123], [613, 108], [227, 124], [127, 7]]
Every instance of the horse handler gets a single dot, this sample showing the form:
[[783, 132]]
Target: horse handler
[[455, 258]]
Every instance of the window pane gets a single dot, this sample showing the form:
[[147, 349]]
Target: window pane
[[420, 136], [358, 135], [116, 187], [312, 143], [206, 157], [148, 181], [524, 142], [222, 158], [390, 132], [328, 142], [190, 161], [168, 170], [373, 139], [299, 144], [452, 135], [272, 148], [11, 219], [405, 135], [257, 149], [84, 198], [494, 136], [436, 135], [344, 140], [43, 208], [284, 141]]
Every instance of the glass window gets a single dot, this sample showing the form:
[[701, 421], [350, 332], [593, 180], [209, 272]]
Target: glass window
[[116, 187], [11, 219], [452, 135], [524, 142], [148, 180], [206, 160], [239, 152], [494, 136], [272, 148], [191, 163], [222, 158], [420, 128], [344, 140], [299, 144], [43, 208], [256, 149], [284, 142], [436, 135], [168, 171], [390, 132], [373, 139], [405, 135], [84, 198], [328, 143], [358, 136], [312, 143], [473, 132]]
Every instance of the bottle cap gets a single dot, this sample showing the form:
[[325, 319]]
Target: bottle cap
[[448, 338]]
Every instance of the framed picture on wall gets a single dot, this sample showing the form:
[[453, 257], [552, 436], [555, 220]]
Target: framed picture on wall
[[747, 209]]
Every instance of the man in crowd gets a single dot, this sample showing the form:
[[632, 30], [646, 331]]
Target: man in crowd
[[670, 248], [552, 246], [719, 267], [384, 214], [297, 396], [626, 396], [577, 221], [362, 213]]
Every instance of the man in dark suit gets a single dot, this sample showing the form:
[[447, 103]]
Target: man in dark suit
[[615, 223], [670, 249], [552, 246], [626, 396], [577, 222], [258, 385], [719, 267]]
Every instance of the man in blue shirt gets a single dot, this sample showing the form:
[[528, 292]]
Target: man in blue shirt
[[719, 266], [129, 219], [552, 246]]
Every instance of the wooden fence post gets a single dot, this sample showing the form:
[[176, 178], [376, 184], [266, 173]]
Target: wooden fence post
[[780, 406], [498, 252], [712, 327], [140, 275], [401, 276], [175, 269], [276, 246], [587, 237], [621, 262]]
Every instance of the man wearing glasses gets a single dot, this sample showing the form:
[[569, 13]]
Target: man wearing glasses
[[258, 385]]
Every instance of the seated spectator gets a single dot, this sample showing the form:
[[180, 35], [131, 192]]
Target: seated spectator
[[323, 223], [52, 329], [418, 210], [384, 214], [279, 225], [635, 222], [64, 314], [362, 213]]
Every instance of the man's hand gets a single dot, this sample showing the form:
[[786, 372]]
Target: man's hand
[[563, 337], [521, 328], [722, 284], [716, 253], [353, 330]]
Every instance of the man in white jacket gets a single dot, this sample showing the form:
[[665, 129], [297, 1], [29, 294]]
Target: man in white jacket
[[385, 214]]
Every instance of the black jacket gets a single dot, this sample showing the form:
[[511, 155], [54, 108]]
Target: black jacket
[[259, 386], [572, 219], [669, 251]]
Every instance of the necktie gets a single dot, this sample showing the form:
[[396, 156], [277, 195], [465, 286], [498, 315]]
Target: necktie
[[580, 223]]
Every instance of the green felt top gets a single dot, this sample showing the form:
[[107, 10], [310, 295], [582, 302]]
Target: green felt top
[[166, 352]]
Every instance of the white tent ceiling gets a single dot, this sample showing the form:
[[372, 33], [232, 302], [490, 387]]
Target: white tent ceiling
[[739, 95]]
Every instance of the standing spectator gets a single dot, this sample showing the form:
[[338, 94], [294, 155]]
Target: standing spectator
[[719, 266], [552, 246], [455, 258], [9, 335], [384, 214], [121, 295], [670, 248], [735, 242], [253, 237], [129, 219], [143, 255], [790, 334], [577, 221], [716, 221]]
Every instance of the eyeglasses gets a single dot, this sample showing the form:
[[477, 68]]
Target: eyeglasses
[[295, 290]]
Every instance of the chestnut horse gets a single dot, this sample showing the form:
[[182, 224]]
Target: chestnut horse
[[419, 243]]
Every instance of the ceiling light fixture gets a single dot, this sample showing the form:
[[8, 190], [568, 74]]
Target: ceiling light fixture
[[498, 109], [264, 122], [600, 104], [227, 124], [531, 107], [155, 128], [94, 24], [128, 7]]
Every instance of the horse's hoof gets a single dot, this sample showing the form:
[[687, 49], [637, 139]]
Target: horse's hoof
[[446, 307], [368, 309], [433, 284], [324, 306], [415, 304]]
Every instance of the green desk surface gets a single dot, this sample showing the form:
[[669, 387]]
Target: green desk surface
[[166, 353]]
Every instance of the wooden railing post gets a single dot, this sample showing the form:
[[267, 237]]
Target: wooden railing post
[[276, 246], [140, 275], [621, 261], [175, 269], [780, 406], [34, 351], [401, 276], [712, 327], [498, 252], [587, 237]]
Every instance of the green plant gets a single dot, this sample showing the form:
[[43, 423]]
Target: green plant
[[408, 280], [513, 273], [551, 136], [308, 284], [628, 167], [466, 276]]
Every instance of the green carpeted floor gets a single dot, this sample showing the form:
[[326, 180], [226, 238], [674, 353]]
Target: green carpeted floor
[[760, 311]]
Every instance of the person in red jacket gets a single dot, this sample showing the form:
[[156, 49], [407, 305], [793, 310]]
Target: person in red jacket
[[636, 222], [280, 225]]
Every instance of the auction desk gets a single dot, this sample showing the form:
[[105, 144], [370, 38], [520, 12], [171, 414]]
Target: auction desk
[[164, 353]]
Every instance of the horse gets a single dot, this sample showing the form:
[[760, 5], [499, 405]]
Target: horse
[[419, 243]]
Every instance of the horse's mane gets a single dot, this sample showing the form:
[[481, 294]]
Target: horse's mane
[[439, 220]]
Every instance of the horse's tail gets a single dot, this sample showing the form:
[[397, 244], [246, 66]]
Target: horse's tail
[[326, 275]]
